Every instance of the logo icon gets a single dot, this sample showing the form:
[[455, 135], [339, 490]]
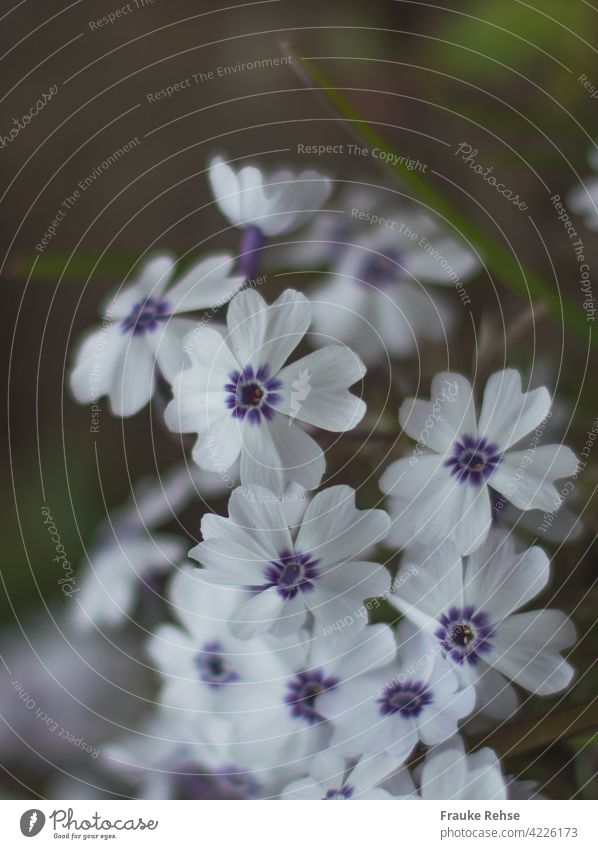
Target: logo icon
[[32, 822], [301, 389]]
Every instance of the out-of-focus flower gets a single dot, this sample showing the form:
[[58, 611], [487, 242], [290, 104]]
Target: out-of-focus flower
[[469, 607], [241, 400], [449, 773], [442, 491], [374, 295], [318, 570], [263, 204], [186, 759], [333, 777], [142, 326], [583, 199], [128, 553], [390, 710]]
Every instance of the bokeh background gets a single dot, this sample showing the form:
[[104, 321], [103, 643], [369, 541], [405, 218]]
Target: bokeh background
[[501, 76]]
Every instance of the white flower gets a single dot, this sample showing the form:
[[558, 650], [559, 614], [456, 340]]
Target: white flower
[[469, 607], [142, 326], [374, 296], [267, 688], [275, 203], [392, 709], [185, 760], [333, 777], [316, 570], [128, 554], [442, 491], [449, 773], [238, 395], [583, 199]]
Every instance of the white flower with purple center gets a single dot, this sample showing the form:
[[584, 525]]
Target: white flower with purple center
[[442, 491], [375, 299], [241, 399], [333, 777], [265, 204], [203, 666], [469, 607], [289, 573], [416, 699], [143, 326]]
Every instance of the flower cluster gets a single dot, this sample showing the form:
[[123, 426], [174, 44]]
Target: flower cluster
[[274, 684]]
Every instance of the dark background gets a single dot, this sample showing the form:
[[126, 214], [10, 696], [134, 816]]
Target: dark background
[[501, 76]]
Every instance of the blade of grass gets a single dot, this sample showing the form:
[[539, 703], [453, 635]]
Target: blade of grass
[[539, 733]]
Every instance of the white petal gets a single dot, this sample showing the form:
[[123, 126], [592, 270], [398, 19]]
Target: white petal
[[428, 585], [498, 580], [218, 447], [133, 378], [442, 261], [287, 321], [247, 321], [494, 695], [227, 562], [526, 650], [275, 453], [315, 389], [526, 477], [449, 412], [167, 344], [225, 188], [259, 512], [333, 530], [257, 615], [208, 283], [98, 356], [508, 414], [150, 282]]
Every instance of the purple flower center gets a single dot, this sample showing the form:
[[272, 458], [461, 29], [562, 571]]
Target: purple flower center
[[465, 634], [344, 792], [228, 782], [145, 316], [473, 459], [291, 573], [252, 394], [304, 689], [380, 270], [213, 666], [407, 698]]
